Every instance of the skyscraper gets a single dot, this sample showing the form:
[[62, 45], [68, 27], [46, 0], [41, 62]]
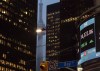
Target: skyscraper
[[53, 33], [41, 42], [17, 35], [68, 15], [70, 10]]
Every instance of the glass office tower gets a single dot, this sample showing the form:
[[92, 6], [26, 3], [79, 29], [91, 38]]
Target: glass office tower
[[67, 36], [17, 35], [53, 34]]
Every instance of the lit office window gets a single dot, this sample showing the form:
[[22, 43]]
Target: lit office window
[[4, 56], [20, 20], [9, 44], [26, 13], [6, 0], [22, 62]]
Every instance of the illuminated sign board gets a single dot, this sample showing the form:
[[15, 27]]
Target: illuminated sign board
[[88, 41], [87, 36]]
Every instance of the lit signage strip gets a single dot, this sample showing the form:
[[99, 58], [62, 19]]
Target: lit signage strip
[[87, 23], [87, 38], [87, 41]]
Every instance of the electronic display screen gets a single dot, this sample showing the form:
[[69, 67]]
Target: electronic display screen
[[87, 36], [88, 41]]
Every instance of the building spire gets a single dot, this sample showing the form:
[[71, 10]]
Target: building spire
[[40, 1], [41, 14]]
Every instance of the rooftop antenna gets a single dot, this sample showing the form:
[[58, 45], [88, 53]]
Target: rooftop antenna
[[40, 1]]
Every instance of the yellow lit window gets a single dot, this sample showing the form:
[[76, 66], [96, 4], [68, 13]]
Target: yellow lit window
[[6, 0], [20, 20], [4, 56], [26, 13]]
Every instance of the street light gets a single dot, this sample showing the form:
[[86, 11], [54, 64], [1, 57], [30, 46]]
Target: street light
[[39, 30]]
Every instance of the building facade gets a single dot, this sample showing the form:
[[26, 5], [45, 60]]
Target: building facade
[[68, 15], [89, 58], [68, 46], [70, 10], [53, 34], [17, 35]]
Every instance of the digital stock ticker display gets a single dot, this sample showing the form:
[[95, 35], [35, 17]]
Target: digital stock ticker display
[[88, 39]]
